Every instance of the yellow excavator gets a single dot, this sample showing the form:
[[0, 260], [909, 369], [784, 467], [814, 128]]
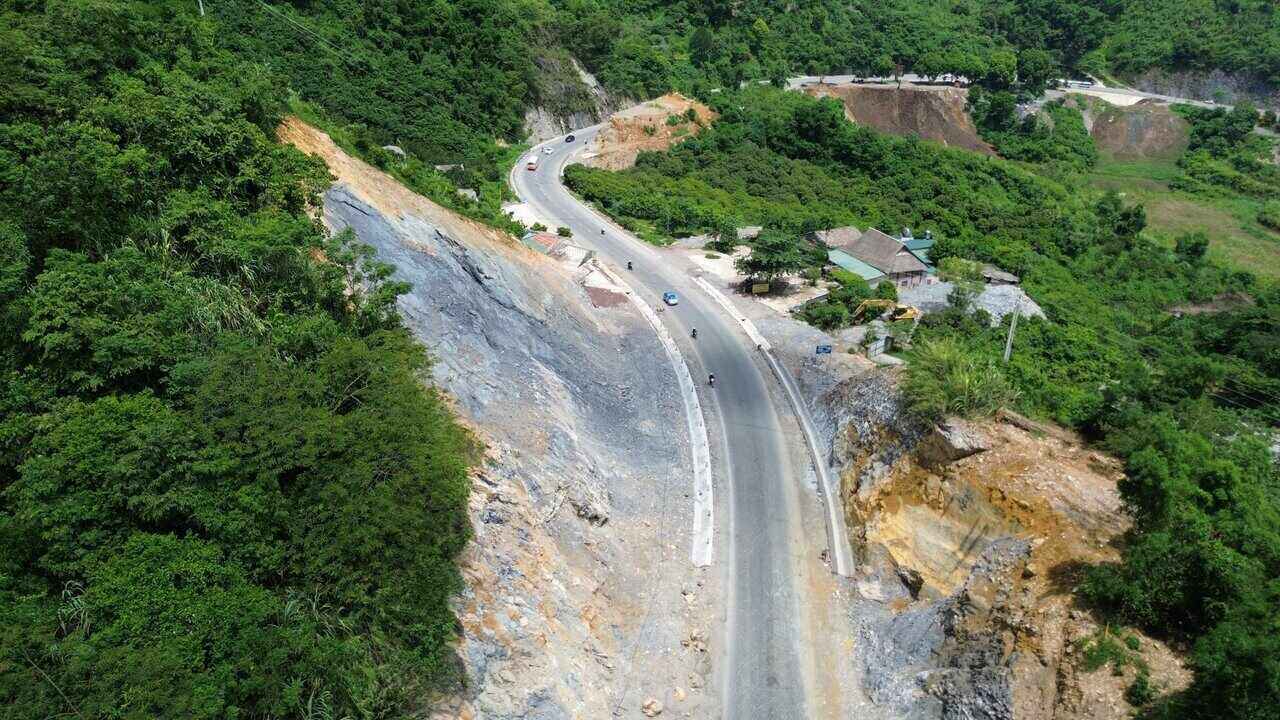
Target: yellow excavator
[[892, 311]]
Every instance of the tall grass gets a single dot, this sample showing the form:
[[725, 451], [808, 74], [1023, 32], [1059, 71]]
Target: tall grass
[[945, 378]]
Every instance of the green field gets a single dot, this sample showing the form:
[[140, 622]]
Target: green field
[[1231, 223]]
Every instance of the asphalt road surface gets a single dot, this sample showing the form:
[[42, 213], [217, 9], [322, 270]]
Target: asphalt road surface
[[768, 671]]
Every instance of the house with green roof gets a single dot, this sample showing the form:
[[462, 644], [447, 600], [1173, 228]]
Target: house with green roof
[[875, 256]]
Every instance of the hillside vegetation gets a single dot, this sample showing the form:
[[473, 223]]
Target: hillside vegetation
[[1190, 402], [644, 47], [224, 489]]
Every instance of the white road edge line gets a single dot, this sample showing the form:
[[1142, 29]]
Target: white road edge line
[[699, 447], [837, 533], [701, 549]]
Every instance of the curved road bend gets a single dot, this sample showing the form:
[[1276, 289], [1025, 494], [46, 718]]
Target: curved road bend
[[769, 669]]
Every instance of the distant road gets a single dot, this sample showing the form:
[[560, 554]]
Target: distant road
[[1118, 96]]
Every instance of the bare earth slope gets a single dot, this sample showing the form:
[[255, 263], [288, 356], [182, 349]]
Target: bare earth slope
[[929, 113], [964, 606], [646, 127], [580, 598], [1146, 130]]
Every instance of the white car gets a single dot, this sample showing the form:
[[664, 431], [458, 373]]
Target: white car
[[670, 298], [547, 151]]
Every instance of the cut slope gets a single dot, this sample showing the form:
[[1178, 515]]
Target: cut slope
[[573, 601], [1146, 130], [646, 127], [930, 113]]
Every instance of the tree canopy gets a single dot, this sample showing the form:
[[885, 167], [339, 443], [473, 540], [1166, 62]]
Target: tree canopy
[[225, 488]]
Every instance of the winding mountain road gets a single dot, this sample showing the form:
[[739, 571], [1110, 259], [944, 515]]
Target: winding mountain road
[[769, 670]]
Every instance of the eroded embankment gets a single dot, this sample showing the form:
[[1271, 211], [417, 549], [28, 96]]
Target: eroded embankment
[[652, 126], [580, 598], [1146, 130], [971, 537], [930, 113]]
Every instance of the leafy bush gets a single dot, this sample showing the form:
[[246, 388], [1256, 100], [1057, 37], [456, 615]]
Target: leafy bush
[[1269, 215], [1056, 135], [945, 378], [1140, 692], [827, 315]]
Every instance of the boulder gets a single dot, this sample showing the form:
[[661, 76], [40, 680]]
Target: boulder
[[651, 708], [951, 440]]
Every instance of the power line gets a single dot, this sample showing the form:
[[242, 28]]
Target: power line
[[316, 36]]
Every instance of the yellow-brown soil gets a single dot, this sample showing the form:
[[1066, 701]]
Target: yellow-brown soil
[[645, 127], [1061, 497], [930, 113]]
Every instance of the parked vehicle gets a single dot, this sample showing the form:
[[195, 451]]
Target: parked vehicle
[[670, 298]]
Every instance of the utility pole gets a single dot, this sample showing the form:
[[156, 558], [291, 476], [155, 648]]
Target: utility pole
[[201, 4], [1013, 325]]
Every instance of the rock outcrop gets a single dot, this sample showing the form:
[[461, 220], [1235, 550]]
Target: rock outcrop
[[950, 440], [569, 98], [970, 537]]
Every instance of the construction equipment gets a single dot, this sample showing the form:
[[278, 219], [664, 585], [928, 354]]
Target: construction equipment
[[891, 310]]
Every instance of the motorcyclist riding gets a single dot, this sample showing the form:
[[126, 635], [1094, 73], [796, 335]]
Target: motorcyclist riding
[[628, 264], [711, 379], [695, 333]]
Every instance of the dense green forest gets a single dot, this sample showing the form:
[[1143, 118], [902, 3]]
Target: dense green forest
[[1188, 400], [643, 47], [225, 490]]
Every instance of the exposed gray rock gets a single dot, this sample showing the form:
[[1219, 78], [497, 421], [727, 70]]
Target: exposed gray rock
[[568, 87], [950, 660], [950, 440], [549, 380], [868, 429], [395, 150], [1229, 88], [997, 300]]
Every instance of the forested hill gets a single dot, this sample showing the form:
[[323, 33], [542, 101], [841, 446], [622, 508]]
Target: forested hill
[[224, 489], [644, 46], [444, 78]]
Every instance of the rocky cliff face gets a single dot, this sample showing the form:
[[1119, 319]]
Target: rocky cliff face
[[1223, 87], [971, 537], [579, 591], [569, 98]]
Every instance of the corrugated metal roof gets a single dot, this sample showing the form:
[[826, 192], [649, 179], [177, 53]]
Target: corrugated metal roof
[[885, 253], [848, 262], [918, 243], [838, 237]]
